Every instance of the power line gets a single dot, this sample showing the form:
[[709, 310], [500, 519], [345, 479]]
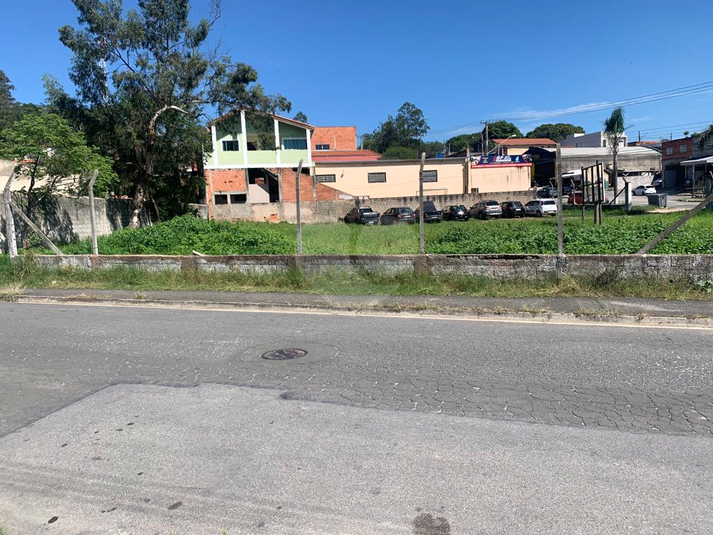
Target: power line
[[588, 108]]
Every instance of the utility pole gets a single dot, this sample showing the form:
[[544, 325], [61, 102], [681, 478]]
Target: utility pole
[[422, 240], [560, 215], [487, 141], [299, 215]]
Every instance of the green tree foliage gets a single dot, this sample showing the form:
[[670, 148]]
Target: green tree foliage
[[502, 130], [705, 138], [432, 148], [49, 150], [404, 130], [399, 153], [556, 132], [301, 117], [144, 79], [461, 142], [8, 105]]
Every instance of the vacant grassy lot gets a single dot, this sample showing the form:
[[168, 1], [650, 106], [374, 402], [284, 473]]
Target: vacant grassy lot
[[618, 235]]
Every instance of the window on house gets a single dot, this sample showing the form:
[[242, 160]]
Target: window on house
[[322, 147], [604, 143], [220, 199], [669, 151], [230, 145], [376, 177], [238, 198], [294, 143], [326, 178], [682, 148], [430, 176]]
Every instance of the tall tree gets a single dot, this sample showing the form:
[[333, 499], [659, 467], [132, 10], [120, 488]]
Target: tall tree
[[614, 130], [463, 141], [301, 117], [404, 130], [8, 105], [151, 73], [556, 132], [705, 138], [50, 150]]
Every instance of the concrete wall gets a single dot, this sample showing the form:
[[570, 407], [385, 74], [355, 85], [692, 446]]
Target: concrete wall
[[331, 211], [531, 267], [66, 219]]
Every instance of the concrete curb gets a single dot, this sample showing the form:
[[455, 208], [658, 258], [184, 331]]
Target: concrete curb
[[426, 310]]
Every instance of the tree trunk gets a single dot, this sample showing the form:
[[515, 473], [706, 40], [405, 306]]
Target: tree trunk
[[138, 202]]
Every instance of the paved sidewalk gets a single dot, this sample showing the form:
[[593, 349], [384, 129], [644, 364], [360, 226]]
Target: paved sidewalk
[[579, 307]]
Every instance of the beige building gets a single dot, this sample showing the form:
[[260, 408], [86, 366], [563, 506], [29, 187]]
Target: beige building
[[399, 178]]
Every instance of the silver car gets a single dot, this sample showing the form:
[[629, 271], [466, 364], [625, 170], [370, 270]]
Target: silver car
[[541, 207]]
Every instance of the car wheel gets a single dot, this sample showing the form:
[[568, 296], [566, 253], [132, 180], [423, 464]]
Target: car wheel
[[538, 213]]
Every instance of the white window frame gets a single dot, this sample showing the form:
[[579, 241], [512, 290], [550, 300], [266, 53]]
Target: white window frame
[[682, 149], [322, 146], [325, 179]]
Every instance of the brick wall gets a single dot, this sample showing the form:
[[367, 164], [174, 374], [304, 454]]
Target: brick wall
[[675, 146], [337, 137]]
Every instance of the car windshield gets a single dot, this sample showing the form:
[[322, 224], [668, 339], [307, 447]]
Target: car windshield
[[405, 211], [491, 203], [548, 202], [365, 210]]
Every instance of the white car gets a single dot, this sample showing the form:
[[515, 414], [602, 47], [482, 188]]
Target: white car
[[541, 207], [644, 190]]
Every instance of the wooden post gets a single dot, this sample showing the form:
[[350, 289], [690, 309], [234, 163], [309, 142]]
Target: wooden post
[[10, 236], [560, 215], [92, 217], [666, 233], [299, 215], [422, 241], [583, 186], [35, 228]]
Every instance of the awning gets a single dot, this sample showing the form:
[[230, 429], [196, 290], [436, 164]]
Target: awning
[[697, 161]]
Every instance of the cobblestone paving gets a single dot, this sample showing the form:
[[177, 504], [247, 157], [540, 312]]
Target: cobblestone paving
[[660, 381]]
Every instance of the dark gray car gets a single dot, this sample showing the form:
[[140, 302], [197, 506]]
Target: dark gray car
[[399, 214], [486, 210]]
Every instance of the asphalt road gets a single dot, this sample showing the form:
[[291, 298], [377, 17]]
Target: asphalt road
[[551, 419]]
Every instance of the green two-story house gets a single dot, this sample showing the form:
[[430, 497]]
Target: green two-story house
[[245, 167]]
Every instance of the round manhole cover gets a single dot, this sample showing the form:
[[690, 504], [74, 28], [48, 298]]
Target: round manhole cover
[[289, 353]]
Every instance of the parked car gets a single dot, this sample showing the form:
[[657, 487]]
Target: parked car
[[486, 210], [399, 214], [512, 209], [658, 183], [456, 212], [541, 207], [362, 215], [644, 190], [547, 192], [430, 213]]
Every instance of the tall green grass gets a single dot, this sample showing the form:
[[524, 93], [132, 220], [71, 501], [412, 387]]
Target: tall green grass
[[618, 235]]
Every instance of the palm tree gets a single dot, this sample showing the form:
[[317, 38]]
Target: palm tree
[[614, 130]]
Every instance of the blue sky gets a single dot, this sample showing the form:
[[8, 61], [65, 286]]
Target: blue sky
[[460, 62]]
